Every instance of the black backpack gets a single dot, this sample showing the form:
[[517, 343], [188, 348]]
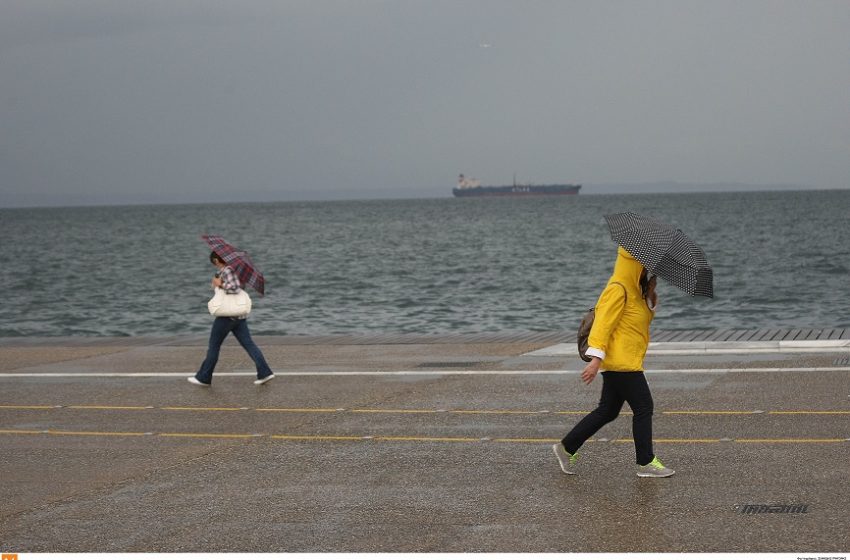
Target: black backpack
[[586, 325]]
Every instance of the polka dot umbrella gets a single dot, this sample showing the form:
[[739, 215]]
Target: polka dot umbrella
[[664, 251]]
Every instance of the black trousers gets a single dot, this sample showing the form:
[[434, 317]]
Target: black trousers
[[619, 387]]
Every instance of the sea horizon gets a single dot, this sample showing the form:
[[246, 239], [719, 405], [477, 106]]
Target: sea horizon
[[596, 189]]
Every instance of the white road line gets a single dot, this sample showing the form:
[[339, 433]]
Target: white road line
[[567, 349], [715, 371]]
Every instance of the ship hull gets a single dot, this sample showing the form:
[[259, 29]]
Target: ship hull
[[510, 190]]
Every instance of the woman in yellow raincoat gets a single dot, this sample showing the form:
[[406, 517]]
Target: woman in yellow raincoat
[[618, 342]]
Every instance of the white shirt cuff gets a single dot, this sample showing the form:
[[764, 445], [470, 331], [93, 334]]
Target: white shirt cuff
[[596, 353]]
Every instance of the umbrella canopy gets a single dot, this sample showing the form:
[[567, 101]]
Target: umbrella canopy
[[239, 261], [664, 251]]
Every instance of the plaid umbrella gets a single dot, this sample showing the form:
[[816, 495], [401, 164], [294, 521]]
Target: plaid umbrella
[[664, 251], [239, 261]]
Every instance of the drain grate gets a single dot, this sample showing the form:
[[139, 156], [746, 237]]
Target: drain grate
[[845, 361], [450, 364]]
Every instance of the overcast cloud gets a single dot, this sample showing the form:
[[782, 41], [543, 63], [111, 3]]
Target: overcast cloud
[[204, 101]]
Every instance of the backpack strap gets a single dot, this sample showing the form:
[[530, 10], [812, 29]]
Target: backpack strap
[[587, 324]]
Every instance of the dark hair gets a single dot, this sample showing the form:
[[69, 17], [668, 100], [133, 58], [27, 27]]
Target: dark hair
[[214, 257], [644, 282], [645, 279]]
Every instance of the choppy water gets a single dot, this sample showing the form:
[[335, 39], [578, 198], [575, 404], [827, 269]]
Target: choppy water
[[422, 266]]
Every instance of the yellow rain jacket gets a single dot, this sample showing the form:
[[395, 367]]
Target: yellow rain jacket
[[620, 332]]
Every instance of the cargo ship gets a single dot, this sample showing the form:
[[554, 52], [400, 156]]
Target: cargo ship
[[472, 187]]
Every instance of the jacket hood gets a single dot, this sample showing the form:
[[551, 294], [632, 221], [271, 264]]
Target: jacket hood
[[627, 270]]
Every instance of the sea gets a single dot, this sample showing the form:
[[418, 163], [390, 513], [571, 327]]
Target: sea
[[431, 266]]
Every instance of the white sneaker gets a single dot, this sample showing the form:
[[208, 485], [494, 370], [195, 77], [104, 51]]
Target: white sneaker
[[265, 379], [194, 381], [568, 462], [654, 470]]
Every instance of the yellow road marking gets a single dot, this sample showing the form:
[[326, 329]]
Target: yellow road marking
[[103, 407], [318, 438], [494, 411], [696, 412], [426, 439], [809, 412], [791, 440], [226, 436], [296, 410], [671, 440], [528, 440], [223, 436], [78, 433], [202, 408], [682, 440], [23, 432], [26, 406], [391, 411]]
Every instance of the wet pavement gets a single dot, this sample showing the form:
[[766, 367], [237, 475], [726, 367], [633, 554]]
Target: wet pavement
[[415, 447]]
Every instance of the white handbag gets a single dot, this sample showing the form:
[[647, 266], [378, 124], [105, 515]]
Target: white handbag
[[223, 304]]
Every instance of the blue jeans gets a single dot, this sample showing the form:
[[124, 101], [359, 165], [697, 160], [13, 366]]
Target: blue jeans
[[222, 326]]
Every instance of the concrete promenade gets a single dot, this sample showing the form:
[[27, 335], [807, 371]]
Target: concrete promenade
[[420, 444]]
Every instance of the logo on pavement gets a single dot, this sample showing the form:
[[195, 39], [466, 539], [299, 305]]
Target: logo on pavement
[[764, 508]]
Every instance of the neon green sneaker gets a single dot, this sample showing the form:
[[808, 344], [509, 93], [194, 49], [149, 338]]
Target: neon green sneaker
[[654, 470], [567, 461]]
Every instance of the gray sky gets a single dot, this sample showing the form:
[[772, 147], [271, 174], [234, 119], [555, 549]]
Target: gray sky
[[118, 101]]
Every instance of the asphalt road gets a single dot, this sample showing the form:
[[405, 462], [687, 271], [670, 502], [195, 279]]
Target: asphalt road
[[416, 462]]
